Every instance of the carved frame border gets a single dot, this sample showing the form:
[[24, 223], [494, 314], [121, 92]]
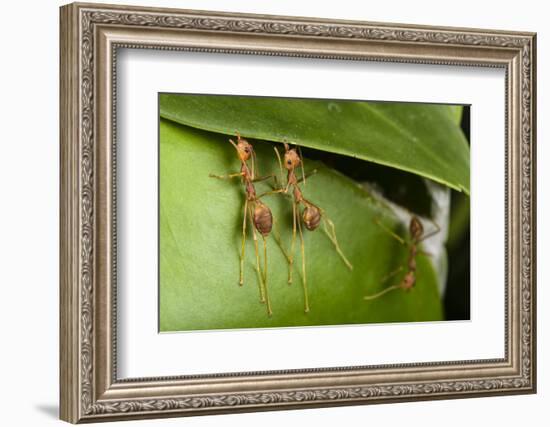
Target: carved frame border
[[90, 35]]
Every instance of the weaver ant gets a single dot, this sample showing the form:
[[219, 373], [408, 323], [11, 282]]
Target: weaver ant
[[255, 211], [311, 214], [416, 232]]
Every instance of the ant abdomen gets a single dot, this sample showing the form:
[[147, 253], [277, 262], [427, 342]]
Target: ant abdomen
[[311, 217], [263, 219]]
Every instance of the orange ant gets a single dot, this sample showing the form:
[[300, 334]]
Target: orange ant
[[257, 212], [416, 231], [311, 214]]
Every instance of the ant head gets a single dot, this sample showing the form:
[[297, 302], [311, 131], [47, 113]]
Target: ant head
[[243, 147], [415, 228], [292, 159]]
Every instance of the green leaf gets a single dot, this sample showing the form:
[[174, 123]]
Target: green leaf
[[200, 240], [455, 112], [424, 139]]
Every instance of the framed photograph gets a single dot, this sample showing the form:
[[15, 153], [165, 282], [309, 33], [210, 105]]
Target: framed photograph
[[267, 212]]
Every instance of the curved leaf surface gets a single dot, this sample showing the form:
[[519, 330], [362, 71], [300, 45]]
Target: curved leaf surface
[[200, 237], [424, 139]]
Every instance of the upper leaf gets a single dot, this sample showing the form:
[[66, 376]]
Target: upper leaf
[[424, 139]]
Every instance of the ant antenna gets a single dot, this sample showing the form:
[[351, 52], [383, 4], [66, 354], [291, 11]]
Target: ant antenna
[[254, 165], [302, 164], [382, 292], [280, 164], [234, 144], [287, 148]]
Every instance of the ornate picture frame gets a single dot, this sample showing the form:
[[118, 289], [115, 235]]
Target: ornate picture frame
[[90, 36]]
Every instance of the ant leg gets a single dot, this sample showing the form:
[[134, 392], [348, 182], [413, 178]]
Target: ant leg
[[382, 292], [304, 281], [267, 193], [307, 175], [280, 165], [332, 236], [293, 241], [302, 165], [233, 175], [264, 272], [254, 165], [243, 244], [431, 233], [255, 171], [261, 284], [278, 240], [391, 274], [269, 311], [277, 191], [263, 178], [390, 232], [273, 185]]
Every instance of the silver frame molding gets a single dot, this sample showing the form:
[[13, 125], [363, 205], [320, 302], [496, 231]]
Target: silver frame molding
[[90, 36]]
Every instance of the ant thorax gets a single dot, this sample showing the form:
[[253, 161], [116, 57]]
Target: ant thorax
[[415, 228], [291, 178], [408, 281], [297, 193], [250, 191], [245, 170]]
